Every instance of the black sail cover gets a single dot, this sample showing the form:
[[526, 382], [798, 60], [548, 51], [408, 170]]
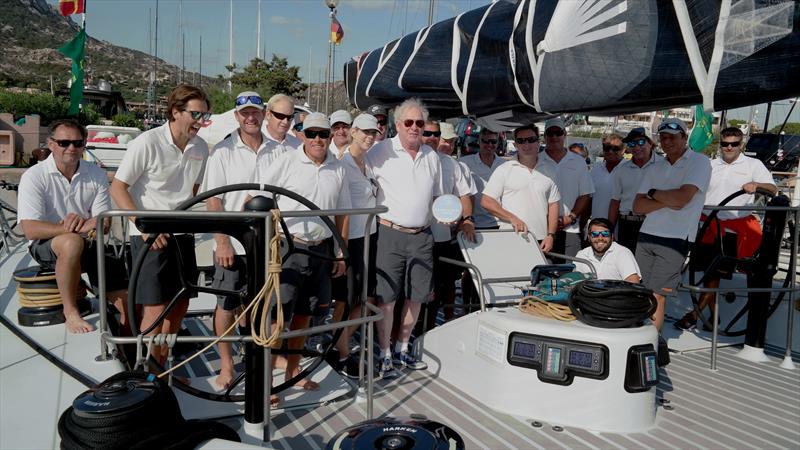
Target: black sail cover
[[514, 62]]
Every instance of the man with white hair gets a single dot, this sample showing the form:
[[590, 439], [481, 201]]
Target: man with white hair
[[280, 111], [340, 132], [409, 175]]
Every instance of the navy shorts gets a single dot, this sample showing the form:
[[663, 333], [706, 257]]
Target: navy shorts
[[305, 282], [160, 276], [661, 262], [230, 279]]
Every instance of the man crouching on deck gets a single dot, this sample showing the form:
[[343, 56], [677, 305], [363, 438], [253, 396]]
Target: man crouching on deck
[[59, 201]]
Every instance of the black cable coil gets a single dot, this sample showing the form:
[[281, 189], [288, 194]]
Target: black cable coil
[[611, 303], [150, 419]]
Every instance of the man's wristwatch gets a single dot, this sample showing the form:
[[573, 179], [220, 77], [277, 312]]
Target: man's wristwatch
[[470, 218], [552, 235], [651, 193]]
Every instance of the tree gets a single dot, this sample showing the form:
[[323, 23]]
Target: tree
[[268, 78], [736, 122], [790, 128]]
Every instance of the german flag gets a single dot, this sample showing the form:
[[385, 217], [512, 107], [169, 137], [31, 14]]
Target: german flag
[[337, 31], [69, 7]]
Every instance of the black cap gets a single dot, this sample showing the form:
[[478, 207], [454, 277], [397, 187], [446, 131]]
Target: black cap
[[377, 110], [635, 133]]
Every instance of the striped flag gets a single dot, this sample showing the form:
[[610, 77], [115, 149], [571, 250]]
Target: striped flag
[[337, 31], [69, 7]]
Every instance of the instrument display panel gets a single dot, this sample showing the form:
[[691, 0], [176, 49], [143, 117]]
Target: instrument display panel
[[558, 360]]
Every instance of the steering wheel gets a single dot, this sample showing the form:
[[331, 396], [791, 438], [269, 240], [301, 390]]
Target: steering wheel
[[721, 257], [186, 286]]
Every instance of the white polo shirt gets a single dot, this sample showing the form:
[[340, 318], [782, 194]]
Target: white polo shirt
[[159, 174], [455, 181], [729, 178], [572, 179], [627, 179], [363, 194], [525, 193], [47, 196], [480, 176], [617, 263], [233, 162], [324, 185], [603, 181], [407, 186], [691, 168]]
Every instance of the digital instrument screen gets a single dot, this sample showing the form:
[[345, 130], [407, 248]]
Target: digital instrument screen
[[580, 359], [524, 349], [650, 368], [553, 362]]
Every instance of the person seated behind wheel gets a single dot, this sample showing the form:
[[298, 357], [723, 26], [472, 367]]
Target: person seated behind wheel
[[611, 260], [59, 200]]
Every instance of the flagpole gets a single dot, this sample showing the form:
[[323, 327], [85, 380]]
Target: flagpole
[[331, 4]]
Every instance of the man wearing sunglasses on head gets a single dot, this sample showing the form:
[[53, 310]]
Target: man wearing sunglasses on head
[[574, 183], [602, 174], [162, 168], [59, 200], [731, 171], [626, 180], [409, 175], [340, 132], [313, 172], [482, 165], [611, 260], [382, 116], [671, 196], [280, 111]]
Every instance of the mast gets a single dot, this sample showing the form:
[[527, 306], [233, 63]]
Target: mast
[[431, 9], [200, 68], [155, 66], [230, 50], [180, 35], [308, 75], [258, 27]]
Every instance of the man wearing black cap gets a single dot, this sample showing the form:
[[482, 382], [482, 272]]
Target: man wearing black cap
[[382, 116], [671, 196]]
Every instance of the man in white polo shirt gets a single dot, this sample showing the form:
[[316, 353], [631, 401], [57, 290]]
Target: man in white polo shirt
[[671, 196], [409, 175], [574, 184], [602, 174], [482, 165], [280, 111], [731, 171], [611, 260], [314, 173], [233, 161], [340, 132], [162, 168], [521, 196], [59, 200]]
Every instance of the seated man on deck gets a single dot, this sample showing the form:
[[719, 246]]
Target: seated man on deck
[[612, 261], [59, 200]]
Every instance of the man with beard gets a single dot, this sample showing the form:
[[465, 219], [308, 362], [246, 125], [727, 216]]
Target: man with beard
[[611, 260]]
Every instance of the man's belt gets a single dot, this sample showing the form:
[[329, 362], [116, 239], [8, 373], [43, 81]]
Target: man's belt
[[633, 217], [409, 230], [300, 240]]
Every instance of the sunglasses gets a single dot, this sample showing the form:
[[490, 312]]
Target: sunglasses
[[639, 142], [298, 127], [65, 143], [489, 141], [670, 126], [312, 134], [597, 234], [374, 186], [612, 148], [428, 133], [281, 116], [382, 122], [252, 99], [730, 144], [418, 123], [528, 140], [558, 132], [199, 115]]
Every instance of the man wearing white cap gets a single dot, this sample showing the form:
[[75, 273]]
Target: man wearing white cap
[[448, 138], [315, 174], [340, 129], [234, 160], [671, 196], [574, 184]]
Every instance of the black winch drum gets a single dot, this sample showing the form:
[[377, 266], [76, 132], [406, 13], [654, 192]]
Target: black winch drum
[[389, 433], [35, 278]]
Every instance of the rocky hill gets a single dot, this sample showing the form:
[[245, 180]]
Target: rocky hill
[[32, 30]]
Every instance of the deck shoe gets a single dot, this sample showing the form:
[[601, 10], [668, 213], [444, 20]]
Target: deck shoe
[[687, 323], [406, 359], [387, 370]]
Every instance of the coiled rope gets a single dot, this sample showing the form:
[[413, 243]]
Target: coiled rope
[[260, 330], [611, 303], [530, 304]]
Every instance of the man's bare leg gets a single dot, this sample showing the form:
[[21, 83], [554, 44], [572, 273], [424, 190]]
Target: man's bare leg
[[222, 320], [409, 318], [149, 315], [385, 326], [293, 361], [658, 316], [68, 248], [120, 301]]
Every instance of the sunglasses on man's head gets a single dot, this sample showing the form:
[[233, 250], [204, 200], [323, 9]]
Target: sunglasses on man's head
[[612, 148], [557, 132], [281, 116], [418, 123], [527, 140], [65, 143], [312, 134], [669, 126], [639, 142], [597, 234], [199, 115], [252, 99], [429, 133], [730, 144]]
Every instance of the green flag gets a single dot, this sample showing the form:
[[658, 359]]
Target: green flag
[[75, 50], [701, 132]]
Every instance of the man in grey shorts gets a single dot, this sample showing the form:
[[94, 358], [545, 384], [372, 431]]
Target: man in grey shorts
[[409, 175], [671, 195]]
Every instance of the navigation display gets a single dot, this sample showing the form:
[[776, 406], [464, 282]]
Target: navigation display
[[580, 359], [524, 349], [553, 363]]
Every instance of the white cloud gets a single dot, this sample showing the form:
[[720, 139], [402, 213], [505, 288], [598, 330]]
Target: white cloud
[[388, 5], [283, 20]]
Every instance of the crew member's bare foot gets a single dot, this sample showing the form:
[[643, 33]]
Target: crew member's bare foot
[[274, 401], [307, 384], [224, 379], [280, 362], [76, 325]]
